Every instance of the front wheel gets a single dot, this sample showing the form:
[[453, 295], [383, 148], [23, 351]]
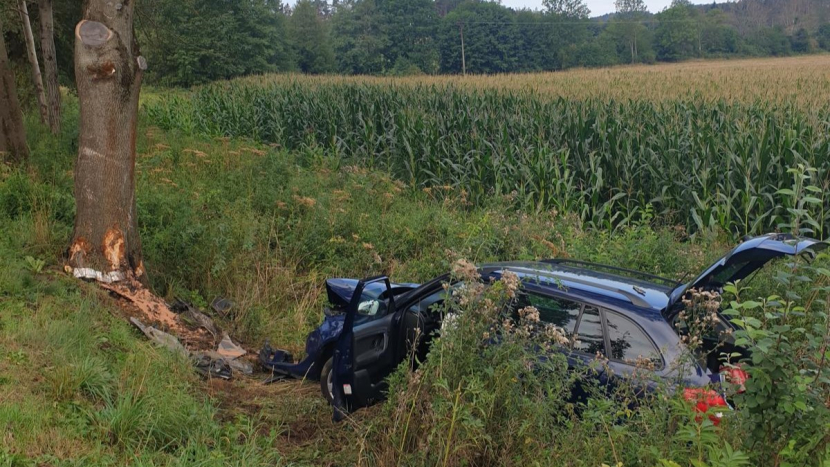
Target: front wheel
[[327, 380]]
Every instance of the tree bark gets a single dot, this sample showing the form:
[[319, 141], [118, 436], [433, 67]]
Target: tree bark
[[108, 70], [50, 65], [32, 54], [13, 146]]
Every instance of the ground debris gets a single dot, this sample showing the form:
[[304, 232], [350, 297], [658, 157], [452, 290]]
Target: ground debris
[[228, 349], [161, 338], [194, 316], [183, 329], [209, 364]]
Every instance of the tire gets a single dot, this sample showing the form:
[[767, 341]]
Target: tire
[[325, 380]]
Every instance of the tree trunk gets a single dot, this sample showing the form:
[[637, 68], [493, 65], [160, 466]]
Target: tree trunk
[[108, 70], [50, 65], [12, 132], [32, 54]]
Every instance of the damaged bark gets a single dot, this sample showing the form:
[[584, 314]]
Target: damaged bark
[[13, 146], [50, 65], [108, 69]]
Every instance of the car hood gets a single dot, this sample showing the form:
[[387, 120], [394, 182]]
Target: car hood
[[340, 291], [751, 255]]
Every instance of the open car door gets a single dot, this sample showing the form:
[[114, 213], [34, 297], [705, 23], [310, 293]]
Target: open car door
[[366, 351], [748, 257]]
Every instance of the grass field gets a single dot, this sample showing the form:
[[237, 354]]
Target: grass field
[[263, 207]]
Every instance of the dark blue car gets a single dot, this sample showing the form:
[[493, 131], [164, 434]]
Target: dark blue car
[[620, 314]]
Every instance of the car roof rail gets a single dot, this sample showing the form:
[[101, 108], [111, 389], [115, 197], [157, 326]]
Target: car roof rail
[[633, 297], [598, 266]]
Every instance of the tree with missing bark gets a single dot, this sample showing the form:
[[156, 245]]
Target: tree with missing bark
[[12, 132], [50, 64], [108, 72], [31, 54]]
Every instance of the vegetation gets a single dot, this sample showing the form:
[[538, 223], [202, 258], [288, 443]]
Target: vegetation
[[243, 193], [702, 163], [191, 42]]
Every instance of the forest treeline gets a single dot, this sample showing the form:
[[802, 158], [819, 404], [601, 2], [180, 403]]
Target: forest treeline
[[189, 42]]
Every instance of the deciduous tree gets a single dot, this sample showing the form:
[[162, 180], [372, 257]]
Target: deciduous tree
[[311, 39], [677, 35], [31, 54], [411, 27], [50, 64], [628, 26], [567, 8], [108, 69], [490, 39], [13, 146], [360, 39]]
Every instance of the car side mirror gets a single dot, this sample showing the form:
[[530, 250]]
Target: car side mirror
[[368, 308]]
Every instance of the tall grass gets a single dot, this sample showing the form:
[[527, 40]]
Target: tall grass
[[704, 164]]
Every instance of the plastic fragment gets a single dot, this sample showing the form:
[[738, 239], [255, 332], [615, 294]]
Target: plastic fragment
[[228, 349], [161, 338]]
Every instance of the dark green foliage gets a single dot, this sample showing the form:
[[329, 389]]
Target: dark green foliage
[[598, 52], [771, 41], [197, 41], [717, 37], [631, 35], [801, 42], [677, 35], [192, 42], [360, 39], [823, 36], [312, 45], [411, 26], [490, 39]]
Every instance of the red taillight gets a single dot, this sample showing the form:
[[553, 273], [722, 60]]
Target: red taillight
[[736, 376], [703, 400]]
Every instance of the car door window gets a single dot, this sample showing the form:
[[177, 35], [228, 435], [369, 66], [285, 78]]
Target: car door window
[[432, 303], [559, 312], [629, 343], [589, 338]]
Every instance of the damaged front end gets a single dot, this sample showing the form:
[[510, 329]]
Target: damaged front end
[[281, 362], [320, 342]]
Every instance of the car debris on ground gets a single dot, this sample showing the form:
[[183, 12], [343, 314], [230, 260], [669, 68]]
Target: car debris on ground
[[224, 362], [193, 316]]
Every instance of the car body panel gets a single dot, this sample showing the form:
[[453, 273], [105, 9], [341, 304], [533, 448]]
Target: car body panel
[[751, 255], [320, 341], [361, 353]]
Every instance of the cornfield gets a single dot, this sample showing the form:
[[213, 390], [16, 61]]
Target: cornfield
[[702, 163]]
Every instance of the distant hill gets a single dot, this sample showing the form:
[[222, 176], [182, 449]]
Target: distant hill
[[791, 15], [746, 15]]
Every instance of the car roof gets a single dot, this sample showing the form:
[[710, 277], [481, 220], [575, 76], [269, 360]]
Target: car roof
[[630, 294]]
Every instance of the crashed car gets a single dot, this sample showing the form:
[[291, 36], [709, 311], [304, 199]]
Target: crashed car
[[618, 314], [320, 343]]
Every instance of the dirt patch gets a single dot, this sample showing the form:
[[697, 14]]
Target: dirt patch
[[141, 304], [293, 409]]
